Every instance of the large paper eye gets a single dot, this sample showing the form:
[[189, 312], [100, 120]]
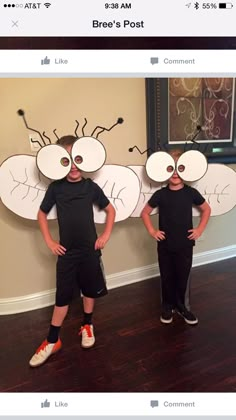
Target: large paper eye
[[54, 161], [160, 166], [88, 154], [191, 165]]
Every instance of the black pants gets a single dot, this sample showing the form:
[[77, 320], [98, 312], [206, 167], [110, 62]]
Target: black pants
[[175, 269]]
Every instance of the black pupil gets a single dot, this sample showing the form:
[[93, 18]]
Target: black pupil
[[78, 159], [181, 168], [65, 161], [170, 168]]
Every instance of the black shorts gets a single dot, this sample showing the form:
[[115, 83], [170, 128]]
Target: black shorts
[[85, 270]]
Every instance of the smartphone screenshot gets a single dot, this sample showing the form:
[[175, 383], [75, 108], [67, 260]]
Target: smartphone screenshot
[[117, 210]]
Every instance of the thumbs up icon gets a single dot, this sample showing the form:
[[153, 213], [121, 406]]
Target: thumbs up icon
[[45, 60], [45, 403]]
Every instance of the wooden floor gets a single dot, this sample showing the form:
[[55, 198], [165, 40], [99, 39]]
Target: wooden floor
[[134, 352]]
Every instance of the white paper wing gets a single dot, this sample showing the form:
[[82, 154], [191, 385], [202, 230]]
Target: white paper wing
[[147, 189], [218, 187], [121, 185], [22, 186]]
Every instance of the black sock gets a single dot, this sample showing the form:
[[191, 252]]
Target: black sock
[[87, 318], [53, 334]]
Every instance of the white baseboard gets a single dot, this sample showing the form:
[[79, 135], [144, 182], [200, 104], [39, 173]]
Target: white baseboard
[[27, 303], [47, 298], [214, 255]]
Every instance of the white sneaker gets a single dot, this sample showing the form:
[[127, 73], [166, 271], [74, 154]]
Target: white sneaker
[[44, 352], [88, 338]]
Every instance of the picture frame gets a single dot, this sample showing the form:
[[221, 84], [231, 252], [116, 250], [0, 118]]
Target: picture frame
[[217, 150]]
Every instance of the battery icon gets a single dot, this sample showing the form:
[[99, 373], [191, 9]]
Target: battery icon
[[225, 5]]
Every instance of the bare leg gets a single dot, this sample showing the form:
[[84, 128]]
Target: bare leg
[[88, 304], [59, 314]]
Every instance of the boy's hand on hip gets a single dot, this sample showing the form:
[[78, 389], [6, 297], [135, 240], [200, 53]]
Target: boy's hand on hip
[[56, 248], [101, 241], [195, 233], [159, 235]]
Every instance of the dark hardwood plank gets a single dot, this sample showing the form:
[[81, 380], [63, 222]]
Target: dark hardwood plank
[[134, 352]]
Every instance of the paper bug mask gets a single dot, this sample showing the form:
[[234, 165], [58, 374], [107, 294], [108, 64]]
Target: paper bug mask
[[190, 166], [87, 153]]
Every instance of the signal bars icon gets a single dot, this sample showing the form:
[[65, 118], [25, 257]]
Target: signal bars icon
[[47, 5]]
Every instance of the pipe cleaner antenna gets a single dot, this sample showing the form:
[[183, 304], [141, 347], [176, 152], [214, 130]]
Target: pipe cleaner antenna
[[47, 137], [76, 128], [21, 113], [199, 129], [84, 125], [54, 131], [119, 121], [131, 149]]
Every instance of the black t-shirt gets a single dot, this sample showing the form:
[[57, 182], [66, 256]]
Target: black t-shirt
[[74, 202], [175, 215]]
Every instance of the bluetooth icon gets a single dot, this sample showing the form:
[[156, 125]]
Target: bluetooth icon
[[196, 5]]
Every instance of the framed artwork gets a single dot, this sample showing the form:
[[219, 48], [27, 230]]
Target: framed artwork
[[192, 113]]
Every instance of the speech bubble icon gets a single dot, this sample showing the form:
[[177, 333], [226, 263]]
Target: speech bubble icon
[[154, 60], [154, 403]]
